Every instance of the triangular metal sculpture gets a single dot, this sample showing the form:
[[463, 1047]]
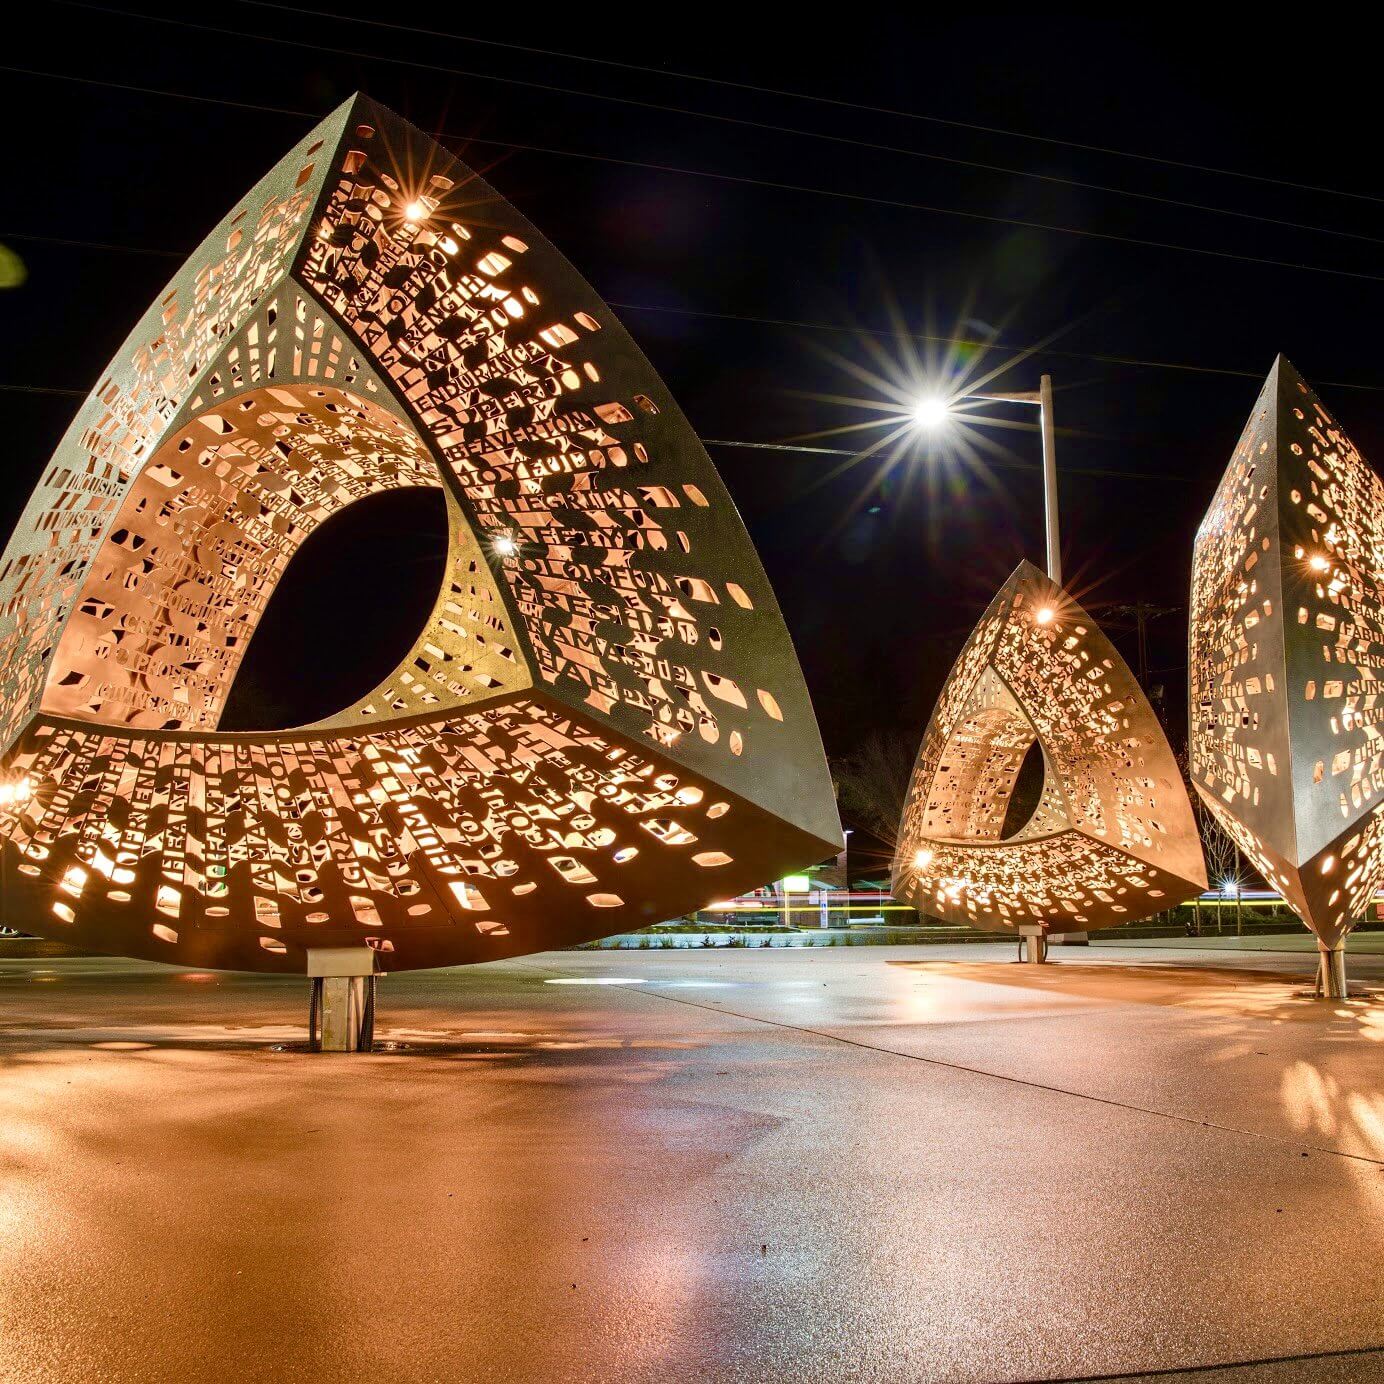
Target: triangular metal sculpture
[[1285, 657], [1112, 837], [603, 723]]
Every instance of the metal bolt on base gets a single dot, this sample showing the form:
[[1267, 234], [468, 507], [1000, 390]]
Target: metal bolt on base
[[1331, 971], [1033, 945]]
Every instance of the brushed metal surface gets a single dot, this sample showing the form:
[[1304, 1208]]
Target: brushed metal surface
[[1285, 644], [1112, 838], [603, 722]]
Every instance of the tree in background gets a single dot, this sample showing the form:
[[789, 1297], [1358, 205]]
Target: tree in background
[[872, 782], [1225, 866]]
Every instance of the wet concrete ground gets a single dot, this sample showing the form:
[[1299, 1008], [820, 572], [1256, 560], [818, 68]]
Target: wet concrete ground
[[867, 1163]]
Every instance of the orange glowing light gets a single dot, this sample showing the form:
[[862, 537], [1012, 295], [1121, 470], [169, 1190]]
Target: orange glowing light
[[360, 354]]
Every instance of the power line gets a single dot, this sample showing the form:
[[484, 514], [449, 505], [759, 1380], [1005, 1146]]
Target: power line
[[993, 465], [158, 91], [88, 244], [793, 323], [818, 134], [1038, 350], [828, 101], [738, 443], [727, 177], [800, 324], [845, 196]]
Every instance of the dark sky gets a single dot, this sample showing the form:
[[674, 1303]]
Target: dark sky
[[879, 599]]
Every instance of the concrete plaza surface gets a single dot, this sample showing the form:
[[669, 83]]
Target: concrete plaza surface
[[875, 1163]]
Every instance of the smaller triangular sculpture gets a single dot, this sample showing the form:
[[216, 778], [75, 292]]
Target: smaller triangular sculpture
[[1112, 837], [1286, 648]]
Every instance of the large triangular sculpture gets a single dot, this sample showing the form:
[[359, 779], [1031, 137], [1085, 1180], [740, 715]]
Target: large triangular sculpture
[[1285, 658], [603, 723], [1111, 838]]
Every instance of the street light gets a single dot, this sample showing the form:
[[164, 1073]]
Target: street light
[[932, 411], [926, 415]]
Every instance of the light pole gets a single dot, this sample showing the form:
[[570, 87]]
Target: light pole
[[931, 413]]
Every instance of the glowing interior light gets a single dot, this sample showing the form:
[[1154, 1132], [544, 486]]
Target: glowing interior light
[[930, 412], [923, 859], [372, 411], [1318, 563], [1045, 615], [1228, 886]]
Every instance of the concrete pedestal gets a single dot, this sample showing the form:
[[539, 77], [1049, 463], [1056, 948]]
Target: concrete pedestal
[[343, 998], [1331, 971], [1033, 945]]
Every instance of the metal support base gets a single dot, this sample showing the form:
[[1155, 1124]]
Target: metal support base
[[342, 1014], [1033, 946], [1331, 971]]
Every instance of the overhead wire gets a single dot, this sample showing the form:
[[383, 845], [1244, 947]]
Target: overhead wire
[[866, 198], [819, 99]]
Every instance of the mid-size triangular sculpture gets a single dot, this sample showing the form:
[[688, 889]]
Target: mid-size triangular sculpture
[[1285, 654], [603, 723], [1112, 837]]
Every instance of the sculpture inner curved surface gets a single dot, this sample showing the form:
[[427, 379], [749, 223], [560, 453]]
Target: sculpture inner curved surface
[[1111, 838], [175, 591], [602, 724], [1286, 647]]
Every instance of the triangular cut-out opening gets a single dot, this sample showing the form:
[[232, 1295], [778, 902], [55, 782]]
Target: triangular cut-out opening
[[345, 612], [1027, 792]]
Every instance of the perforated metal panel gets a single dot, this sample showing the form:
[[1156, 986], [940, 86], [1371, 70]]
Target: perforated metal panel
[[1286, 647], [603, 722], [1112, 837]]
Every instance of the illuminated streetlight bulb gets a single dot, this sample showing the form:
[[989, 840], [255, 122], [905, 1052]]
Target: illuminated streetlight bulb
[[1318, 563], [504, 545], [931, 412], [923, 859], [1228, 885], [415, 212], [1045, 616]]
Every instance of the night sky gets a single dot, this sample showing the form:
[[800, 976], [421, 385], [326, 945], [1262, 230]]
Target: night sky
[[881, 567]]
